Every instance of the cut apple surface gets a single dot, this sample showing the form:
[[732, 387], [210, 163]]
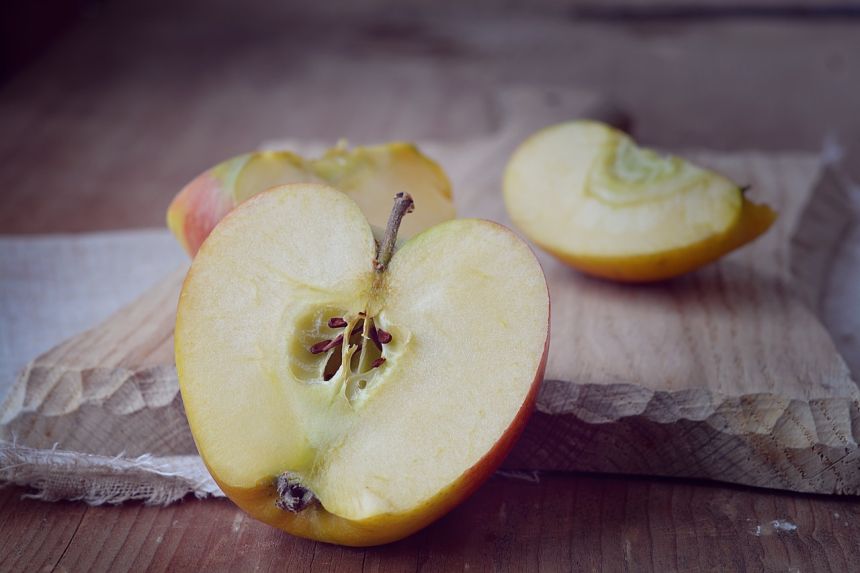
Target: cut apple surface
[[589, 195], [370, 175], [344, 397]]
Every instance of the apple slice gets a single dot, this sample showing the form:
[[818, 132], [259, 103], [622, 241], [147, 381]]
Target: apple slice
[[587, 194], [371, 175], [345, 395]]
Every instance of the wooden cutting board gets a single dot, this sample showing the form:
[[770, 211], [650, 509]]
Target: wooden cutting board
[[725, 374]]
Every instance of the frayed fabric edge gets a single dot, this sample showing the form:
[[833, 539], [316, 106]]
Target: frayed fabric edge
[[95, 479]]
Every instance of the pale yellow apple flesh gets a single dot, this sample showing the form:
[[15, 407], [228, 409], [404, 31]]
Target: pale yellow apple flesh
[[371, 175], [384, 448], [587, 194]]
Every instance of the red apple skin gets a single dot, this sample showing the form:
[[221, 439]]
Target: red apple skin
[[318, 524], [196, 210]]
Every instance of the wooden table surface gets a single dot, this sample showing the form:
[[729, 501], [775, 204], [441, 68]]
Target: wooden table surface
[[102, 130], [562, 523]]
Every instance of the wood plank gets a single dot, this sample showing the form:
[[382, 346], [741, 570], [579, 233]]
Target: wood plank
[[724, 374], [34, 535], [562, 523], [124, 400]]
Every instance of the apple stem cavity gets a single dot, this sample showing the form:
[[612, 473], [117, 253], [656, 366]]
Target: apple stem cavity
[[292, 495], [403, 204]]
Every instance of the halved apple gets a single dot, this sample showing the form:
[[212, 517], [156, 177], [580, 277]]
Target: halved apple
[[370, 175], [345, 395], [589, 195]]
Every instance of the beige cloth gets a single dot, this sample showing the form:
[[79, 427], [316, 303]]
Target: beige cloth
[[52, 287]]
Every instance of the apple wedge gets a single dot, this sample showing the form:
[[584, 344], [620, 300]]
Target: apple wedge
[[586, 193], [344, 394], [370, 175]]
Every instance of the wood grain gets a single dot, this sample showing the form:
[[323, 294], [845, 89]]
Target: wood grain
[[34, 535], [154, 94], [561, 523]]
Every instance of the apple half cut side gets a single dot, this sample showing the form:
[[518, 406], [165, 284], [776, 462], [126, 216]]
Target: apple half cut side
[[370, 175], [587, 194], [345, 397]]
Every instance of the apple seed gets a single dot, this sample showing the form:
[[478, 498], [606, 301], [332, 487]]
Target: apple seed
[[383, 336], [325, 345]]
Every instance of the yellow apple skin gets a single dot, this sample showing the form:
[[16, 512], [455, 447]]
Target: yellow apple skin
[[754, 220], [316, 523], [389, 168]]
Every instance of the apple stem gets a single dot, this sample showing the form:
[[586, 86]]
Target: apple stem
[[403, 204]]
